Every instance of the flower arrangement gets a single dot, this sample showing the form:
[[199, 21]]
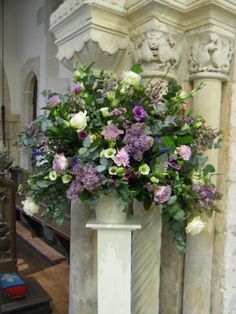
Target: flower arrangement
[[120, 136]]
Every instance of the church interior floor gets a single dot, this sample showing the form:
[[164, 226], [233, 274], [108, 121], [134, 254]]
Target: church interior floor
[[50, 270]]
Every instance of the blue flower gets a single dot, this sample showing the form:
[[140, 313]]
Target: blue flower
[[75, 160], [164, 150], [34, 154]]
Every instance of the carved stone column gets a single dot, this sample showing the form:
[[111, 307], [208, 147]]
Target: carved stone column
[[209, 62], [83, 261], [156, 46]]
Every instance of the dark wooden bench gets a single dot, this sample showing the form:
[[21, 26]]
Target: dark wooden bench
[[37, 301]]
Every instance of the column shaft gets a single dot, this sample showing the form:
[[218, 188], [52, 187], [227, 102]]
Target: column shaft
[[199, 250]]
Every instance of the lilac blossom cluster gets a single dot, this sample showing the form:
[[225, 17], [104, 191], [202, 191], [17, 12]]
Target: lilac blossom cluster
[[118, 112], [206, 195], [86, 179], [137, 142]]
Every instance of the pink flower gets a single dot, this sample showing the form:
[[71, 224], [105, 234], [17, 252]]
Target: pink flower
[[54, 100], [185, 152], [121, 158], [60, 163], [111, 132], [162, 194]]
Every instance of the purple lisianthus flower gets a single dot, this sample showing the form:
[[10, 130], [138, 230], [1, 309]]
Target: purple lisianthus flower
[[162, 194], [81, 135], [121, 158], [75, 160], [173, 165], [164, 150], [185, 152], [111, 132], [139, 113], [77, 89], [54, 100], [60, 163], [127, 175]]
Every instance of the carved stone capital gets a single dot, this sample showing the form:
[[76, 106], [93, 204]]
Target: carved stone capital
[[210, 53], [156, 48], [90, 31]]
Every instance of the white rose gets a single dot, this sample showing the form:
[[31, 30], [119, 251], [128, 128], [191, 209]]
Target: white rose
[[30, 207], [79, 120], [195, 226], [131, 78]]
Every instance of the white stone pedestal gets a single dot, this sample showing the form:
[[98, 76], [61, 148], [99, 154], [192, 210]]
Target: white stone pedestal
[[114, 265]]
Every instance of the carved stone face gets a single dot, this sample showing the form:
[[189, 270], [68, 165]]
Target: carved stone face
[[153, 40]]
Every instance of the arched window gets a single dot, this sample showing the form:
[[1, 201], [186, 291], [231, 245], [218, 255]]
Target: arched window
[[35, 97]]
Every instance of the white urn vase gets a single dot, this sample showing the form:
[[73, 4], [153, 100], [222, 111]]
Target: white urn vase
[[109, 209]]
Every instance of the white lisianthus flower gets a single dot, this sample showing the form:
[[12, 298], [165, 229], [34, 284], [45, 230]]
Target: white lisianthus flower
[[52, 175], [144, 169], [30, 207], [109, 152], [66, 178], [79, 120], [113, 170], [105, 111], [131, 78], [195, 226]]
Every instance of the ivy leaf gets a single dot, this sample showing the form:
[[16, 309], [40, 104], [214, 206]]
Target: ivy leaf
[[201, 159], [83, 151], [87, 142], [187, 139], [209, 168], [104, 161], [101, 168], [172, 200], [136, 68], [168, 142], [179, 216]]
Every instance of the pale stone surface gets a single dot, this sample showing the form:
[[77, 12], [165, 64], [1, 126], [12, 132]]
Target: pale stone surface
[[146, 245], [198, 268], [171, 274], [83, 260]]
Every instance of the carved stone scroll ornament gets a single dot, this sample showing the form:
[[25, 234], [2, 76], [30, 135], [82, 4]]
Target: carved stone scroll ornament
[[156, 50], [213, 55]]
